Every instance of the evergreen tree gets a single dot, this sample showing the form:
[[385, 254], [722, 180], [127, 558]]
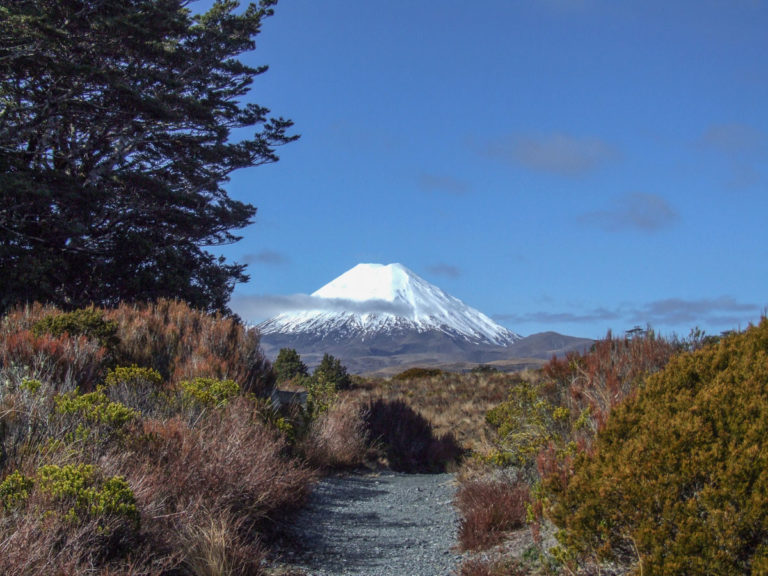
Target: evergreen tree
[[332, 371], [288, 365], [115, 140]]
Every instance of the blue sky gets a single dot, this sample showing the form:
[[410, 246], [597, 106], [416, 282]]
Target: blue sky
[[559, 165]]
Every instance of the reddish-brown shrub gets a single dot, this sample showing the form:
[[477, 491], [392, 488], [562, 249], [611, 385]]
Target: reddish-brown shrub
[[491, 567], [602, 378], [231, 462], [489, 509], [181, 343], [63, 361], [338, 438]]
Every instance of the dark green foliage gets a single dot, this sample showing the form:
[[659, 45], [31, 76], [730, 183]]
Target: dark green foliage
[[89, 322], [412, 373], [484, 369], [677, 482], [288, 365], [330, 370], [115, 140]]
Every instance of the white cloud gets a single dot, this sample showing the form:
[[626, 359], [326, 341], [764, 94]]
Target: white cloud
[[255, 308]]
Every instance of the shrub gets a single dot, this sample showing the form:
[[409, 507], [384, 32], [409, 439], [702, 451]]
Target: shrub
[[288, 365], [65, 519], [64, 361], [229, 462], [489, 509], [525, 424], [332, 371], [208, 392], [407, 438], [136, 387], [413, 373], [338, 438], [183, 343], [14, 490], [590, 385], [81, 491], [321, 395], [87, 322], [677, 480], [94, 408]]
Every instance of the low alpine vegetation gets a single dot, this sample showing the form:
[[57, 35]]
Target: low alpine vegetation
[[117, 458], [640, 456]]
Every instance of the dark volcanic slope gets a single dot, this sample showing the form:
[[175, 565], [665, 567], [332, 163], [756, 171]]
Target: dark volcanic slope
[[432, 348]]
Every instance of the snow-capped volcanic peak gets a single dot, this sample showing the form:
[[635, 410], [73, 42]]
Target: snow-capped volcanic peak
[[372, 282], [376, 298]]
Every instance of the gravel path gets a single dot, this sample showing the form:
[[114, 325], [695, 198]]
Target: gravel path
[[387, 524]]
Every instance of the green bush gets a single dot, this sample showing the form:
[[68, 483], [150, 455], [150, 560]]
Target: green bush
[[133, 376], [84, 493], [78, 492], [209, 392], [525, 424], [87, 322], [14, 490], [140, 388], [677, 482], [413, 373], [93, 416], [288, 365], [331, 370]]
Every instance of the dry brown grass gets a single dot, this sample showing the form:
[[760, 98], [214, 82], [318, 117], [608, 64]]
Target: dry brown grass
[[338, 439], [215, 546], [453, 403]]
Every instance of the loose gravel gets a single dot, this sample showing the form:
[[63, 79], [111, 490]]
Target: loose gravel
[[387, 524]]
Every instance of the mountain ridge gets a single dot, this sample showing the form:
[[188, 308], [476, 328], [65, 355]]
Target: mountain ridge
[[376, 316]]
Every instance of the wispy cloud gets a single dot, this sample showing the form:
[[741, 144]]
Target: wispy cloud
[[255, 308], [645, 212], [558, 153], [268, 257], [743, 146], [443, 184], [541, 317], [732, 139], [719, 312], [445, 270]]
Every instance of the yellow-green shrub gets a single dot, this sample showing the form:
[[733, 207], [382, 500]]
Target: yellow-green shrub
[[209, 391], [525, 423], [14, 490], [678, 479], [96, 409], [86, 493]]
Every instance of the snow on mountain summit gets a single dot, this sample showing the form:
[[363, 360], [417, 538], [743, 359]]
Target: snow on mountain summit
[[375, 298]]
